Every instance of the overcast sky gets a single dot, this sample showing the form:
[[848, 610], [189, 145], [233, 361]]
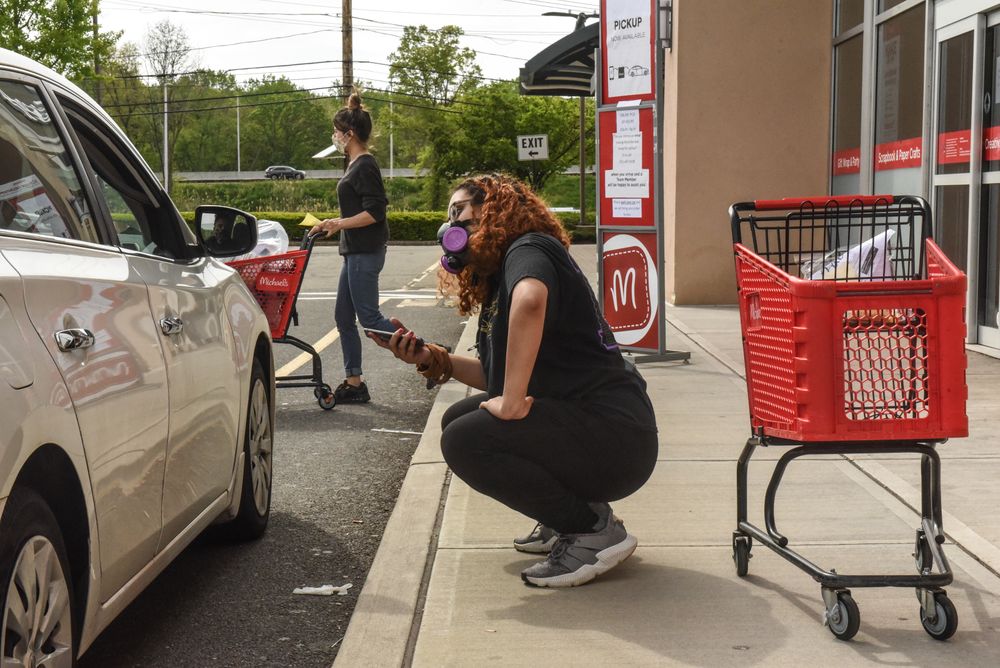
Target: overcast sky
[[504, 33]]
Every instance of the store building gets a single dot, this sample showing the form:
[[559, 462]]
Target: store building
[[772, 98], [780, 98]]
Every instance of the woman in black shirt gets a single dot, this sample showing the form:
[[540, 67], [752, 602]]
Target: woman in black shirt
[[564, 424], [363, 236]]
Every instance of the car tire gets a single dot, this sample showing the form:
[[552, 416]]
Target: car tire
[[300, 176], [258, 442], [33, 560]]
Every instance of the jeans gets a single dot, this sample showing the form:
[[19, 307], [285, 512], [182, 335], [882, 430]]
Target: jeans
[[550, 464], [357, 297]]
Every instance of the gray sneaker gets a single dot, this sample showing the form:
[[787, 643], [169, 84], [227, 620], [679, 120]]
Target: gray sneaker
[[539, 541], [579, 558]]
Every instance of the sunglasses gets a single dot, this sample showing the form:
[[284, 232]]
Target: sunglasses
[[456, 209]]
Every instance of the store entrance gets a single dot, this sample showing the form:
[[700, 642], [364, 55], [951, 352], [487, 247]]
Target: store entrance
[[966, 181]]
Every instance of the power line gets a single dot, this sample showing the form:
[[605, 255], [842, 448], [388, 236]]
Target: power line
[[171, 112]]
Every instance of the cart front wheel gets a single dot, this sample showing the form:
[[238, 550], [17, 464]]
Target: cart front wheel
[[844, 619], [945, 621], [325, 397], [741, 554], [922, 553]]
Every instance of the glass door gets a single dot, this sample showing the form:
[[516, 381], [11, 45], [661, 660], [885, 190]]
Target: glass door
[[966, 167], [987, 277]]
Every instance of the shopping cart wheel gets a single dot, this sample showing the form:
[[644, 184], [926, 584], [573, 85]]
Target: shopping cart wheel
[[325, 396], [922, 553], [945, 621], [741, 554], [843, 616]]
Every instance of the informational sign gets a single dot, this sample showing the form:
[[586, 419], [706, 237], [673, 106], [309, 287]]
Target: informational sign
[[532, 147], [627, 55], [631, 287], [627, 166]]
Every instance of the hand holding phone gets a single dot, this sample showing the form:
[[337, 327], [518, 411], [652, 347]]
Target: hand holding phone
[[385, 336]]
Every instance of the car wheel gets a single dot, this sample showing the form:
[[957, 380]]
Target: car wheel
[[300, 176], [255, 498], [38, 624]]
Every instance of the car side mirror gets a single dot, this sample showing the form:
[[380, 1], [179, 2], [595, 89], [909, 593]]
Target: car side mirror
[[224, 231]]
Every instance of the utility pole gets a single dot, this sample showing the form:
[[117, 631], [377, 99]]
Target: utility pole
[[166, 143], [347, 57], [237, 134], [97, 59]]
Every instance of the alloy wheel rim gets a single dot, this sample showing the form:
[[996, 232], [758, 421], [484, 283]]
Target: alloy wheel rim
[[37, 621], [260, 448]]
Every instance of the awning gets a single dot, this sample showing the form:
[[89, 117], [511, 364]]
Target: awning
[[565, 67]]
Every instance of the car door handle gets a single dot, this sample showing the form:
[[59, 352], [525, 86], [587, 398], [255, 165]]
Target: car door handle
[[171, 326], [74, 339]]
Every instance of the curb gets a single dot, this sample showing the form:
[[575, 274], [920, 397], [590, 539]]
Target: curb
[[385, 619]]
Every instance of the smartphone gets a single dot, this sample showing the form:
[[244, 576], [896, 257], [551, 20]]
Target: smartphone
[[385, 336]]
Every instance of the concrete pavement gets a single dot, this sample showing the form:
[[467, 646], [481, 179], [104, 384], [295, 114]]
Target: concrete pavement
[[444, 588]]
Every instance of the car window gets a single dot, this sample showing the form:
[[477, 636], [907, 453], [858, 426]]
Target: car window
[[139, 221], [40, 192]]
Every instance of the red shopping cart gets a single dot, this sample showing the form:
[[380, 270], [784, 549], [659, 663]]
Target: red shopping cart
[[275, 281], [853, 329]]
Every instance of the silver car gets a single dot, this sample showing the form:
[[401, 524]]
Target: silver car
[[136, 378]]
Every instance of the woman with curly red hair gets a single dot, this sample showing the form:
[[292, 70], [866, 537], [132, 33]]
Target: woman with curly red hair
[[564, 425]]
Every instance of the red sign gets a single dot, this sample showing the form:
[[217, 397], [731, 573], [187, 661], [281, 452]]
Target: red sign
[[991, 143], [847, 161], [627, 189], [899, 154], [631, 288], [954, 147]]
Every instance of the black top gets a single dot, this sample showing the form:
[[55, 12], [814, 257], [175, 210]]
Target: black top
[[578, 358], [361, 189]]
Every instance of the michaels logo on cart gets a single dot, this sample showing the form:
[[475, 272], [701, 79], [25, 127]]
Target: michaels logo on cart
[[270, 282]]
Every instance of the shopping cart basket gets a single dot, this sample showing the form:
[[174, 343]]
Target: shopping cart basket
[[275, 281], [853, 331]]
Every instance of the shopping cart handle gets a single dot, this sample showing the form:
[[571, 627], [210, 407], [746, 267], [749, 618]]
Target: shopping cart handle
[[307, 241], [791, 203]]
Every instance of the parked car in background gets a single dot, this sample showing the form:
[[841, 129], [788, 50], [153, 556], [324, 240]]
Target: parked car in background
[[283, 172], [136, 378]]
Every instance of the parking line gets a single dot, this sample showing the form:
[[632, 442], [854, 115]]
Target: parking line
[[331, 336]]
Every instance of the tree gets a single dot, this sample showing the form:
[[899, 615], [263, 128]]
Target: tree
[[287, 125], [56, 33], [428, 70], [492, 118]]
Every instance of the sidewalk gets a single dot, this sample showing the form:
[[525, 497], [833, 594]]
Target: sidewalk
[[444, 588]]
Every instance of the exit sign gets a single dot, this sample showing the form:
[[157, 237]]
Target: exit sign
[[532, 147]]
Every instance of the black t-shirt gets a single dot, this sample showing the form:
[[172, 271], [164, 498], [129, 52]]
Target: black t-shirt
[[361, 189], [578, 358]]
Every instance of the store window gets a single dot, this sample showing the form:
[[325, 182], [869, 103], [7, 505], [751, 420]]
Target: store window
[[899, 119], [850, 13], [846, 168], [954, 105]]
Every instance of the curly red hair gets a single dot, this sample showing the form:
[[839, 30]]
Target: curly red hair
[[509, 209]]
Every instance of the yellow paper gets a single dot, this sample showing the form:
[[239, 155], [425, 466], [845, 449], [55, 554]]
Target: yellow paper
[[310, 221]]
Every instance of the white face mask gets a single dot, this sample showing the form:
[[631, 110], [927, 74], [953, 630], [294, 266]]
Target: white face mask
[[340, 142]]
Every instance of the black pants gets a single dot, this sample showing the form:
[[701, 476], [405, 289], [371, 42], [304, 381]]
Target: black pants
[[549, 464]]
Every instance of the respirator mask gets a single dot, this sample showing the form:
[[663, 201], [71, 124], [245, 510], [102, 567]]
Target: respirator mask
[[454, 239]]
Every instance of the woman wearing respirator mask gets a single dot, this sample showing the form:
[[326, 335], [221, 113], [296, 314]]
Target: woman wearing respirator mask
[[564, 424]]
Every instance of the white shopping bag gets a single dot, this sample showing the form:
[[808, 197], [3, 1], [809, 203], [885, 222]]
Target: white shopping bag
[[870, 260]]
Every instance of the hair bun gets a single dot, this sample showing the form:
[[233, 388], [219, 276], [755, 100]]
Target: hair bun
[[354, 101]]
